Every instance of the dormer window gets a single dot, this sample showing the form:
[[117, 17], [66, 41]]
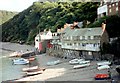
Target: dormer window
[[89, 37], [83, 37]]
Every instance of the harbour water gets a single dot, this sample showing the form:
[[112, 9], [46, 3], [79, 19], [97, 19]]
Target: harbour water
[[8, 70]]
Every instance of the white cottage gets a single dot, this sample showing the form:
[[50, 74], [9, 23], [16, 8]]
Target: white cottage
[[42, 39]]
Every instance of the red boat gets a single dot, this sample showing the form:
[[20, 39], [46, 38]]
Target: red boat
[[32, 58], [102, 76]]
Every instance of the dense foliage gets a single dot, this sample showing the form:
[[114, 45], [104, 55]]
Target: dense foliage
[[47, 15]]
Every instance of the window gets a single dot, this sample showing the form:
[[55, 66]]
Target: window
[[71, 38], [94, 45], [89, 37], [109, 6], [109, 10], [95, 37], [80, 37], [74, 44], [83, 37], [113, 4], [116, 8], [36, 39], [83, 44], [116, 3]]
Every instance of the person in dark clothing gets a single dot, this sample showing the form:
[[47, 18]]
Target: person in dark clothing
[[109, 73]]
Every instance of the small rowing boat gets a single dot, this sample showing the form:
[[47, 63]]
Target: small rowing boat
[[20, 61], [75, 61], [103, 67], [53, 63], [30, 68], [104, 63], [102, 76], [81, 66], [34, 72]]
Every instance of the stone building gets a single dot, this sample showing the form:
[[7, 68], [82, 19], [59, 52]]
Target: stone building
[[84, 42], [108, 8]]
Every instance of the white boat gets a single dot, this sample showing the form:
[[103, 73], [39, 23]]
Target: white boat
[[30, 68], [103, 67], [15, 54], [84, 62], [53, 62], [20, 61], [104, 63], [75, 61], [22, 54], [81, 65], [34, 72]]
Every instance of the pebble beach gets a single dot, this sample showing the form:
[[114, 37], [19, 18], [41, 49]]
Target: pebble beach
[[60, 72]]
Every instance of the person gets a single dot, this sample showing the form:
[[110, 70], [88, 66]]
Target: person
[[109, 73]]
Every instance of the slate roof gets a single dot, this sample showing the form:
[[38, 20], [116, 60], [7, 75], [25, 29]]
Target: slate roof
[[84, 32]]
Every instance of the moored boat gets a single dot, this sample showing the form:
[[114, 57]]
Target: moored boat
[[53, 62], [103, 67], [35, 72], [104, 63], [32, 58], [15, 54], [84, 62], [102, 76], [75, 61], [81, 65], [30, 68], [22, 54], [20, 61]]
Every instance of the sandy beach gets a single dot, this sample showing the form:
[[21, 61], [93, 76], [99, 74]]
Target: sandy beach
[[60, 72], [64, 71]]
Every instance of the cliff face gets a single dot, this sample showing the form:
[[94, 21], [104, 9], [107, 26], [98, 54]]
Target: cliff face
[[46, 15]]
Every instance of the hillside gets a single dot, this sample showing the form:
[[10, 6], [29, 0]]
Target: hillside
[[48, 15], [6, 15]]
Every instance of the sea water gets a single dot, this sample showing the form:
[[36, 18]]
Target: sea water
[[8, 70]]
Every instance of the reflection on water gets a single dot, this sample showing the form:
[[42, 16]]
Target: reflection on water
[[8, 70]]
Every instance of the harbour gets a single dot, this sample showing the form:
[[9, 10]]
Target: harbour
[[62, 71]]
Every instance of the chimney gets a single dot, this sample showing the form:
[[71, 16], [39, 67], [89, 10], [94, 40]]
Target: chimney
[[103, 26], [66, 25], [75, 23]]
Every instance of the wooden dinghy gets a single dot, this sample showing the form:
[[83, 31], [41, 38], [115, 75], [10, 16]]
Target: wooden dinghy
[[84, 62], [32, 58], [102, 76], [81, 66], [104, 63], [103, 67], [34, 72], [15, 54], [53, 63], [20, 61], [30, 68]]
